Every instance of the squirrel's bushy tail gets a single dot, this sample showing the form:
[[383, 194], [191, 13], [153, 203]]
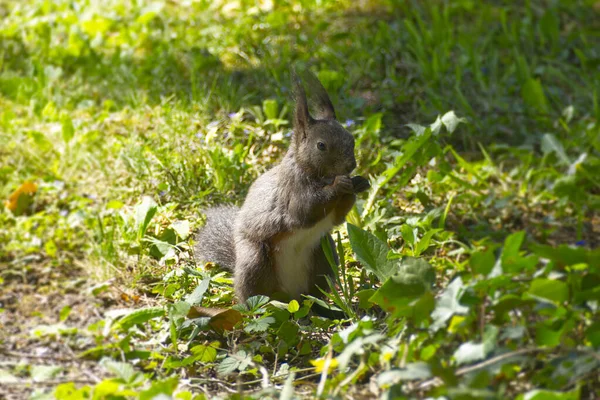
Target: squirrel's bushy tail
[[214, 242]]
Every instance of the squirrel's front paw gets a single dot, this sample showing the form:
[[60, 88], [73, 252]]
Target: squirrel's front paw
[[343, 184], [360, 184]]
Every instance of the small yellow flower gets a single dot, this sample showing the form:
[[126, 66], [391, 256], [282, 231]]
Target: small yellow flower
[[319, 364]]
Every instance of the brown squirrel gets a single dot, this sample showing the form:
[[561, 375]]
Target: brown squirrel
[[272, 244]]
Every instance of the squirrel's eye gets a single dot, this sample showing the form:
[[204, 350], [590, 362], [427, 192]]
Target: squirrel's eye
[[321, 146]]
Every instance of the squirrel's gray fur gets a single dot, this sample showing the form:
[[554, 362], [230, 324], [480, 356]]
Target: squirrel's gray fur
[[286, 208]]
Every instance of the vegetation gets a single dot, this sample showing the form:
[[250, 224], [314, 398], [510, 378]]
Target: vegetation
[[470, 270]]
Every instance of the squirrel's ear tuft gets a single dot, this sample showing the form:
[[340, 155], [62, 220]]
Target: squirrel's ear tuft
[[320, 101], [302, 118]]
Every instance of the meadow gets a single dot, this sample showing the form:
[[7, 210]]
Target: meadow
[[469, 270]]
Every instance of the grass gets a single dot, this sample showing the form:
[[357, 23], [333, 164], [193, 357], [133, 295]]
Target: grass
[[129, 118]]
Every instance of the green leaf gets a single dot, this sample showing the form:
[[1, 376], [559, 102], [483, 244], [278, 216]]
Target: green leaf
[[205, 353], [182, 228], [144, 211], [550, 144], [68, 131], [412, 371], [64, 313], [471, 351], [288, 332], [552, 290], [451, 121], [41, 373], [533, 95], [538, 394], [482, 262], [256, 302], [401, 293], [371, 252], [195, 298], [228, 366], [160, 389], [564, 255], [363, 298], [139, 316], [121, 370], [407, 234], [259, 324], [511, 259], [448, 304], [270, 108]]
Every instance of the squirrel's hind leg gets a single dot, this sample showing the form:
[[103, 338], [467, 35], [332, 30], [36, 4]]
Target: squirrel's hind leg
[[254, 273]]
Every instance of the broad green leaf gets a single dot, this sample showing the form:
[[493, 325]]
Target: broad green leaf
[[407, 234], [448, 304], [412, 371], [547, 335], [471, 351], [371, 252], [160, 389], [593, 334], [552, 290], [139, 316], [205, 353], [482, 262], [538, 394], [288, 332], [565, 255], [228, 366], [256, 302], [451, 121], [64, 313], [122, 370], [533, 95], [41, 373], [259, 325], [550, 144], [182, 228], [68, 131], [400, 294], [270, 108], [144, 211], [195, 298]]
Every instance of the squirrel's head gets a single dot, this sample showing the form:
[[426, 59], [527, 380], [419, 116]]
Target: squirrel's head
[[322, 147]]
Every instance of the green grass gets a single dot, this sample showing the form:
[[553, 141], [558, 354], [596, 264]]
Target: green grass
[[132, 117]]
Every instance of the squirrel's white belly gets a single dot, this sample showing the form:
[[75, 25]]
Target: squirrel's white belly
[[293, 257]]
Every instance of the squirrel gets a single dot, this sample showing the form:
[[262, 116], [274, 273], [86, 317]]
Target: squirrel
[[272, 244]]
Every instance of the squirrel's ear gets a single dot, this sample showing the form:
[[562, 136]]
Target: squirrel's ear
[[302, 118], [321, 104]]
